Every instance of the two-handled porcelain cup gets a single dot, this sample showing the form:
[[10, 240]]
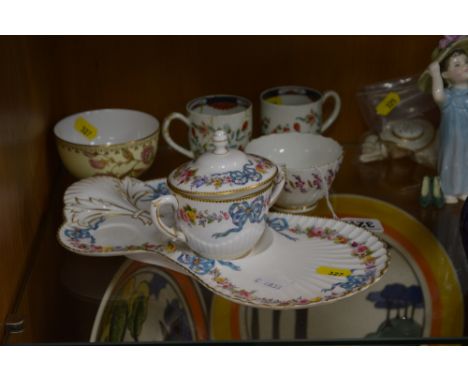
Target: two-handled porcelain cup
[[220, 201]]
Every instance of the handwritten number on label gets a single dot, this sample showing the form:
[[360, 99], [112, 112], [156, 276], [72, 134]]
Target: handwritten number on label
[[390, 101], [269, 284], [338, 272], [85, 128], [372, 225], [368, 225]]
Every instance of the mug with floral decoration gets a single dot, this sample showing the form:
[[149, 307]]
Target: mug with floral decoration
[[220, 200], [207, 114], [298, 109]]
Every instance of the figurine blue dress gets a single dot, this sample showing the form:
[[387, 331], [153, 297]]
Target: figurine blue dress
[[449, 74], [453, 149]]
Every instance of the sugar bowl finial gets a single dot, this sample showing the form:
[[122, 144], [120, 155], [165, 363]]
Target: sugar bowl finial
[[220, 142]]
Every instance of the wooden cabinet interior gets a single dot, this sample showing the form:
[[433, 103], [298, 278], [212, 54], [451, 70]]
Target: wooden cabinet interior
[[46, 78], [27, 159]]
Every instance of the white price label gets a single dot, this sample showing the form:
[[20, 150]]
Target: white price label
[[372, 225]]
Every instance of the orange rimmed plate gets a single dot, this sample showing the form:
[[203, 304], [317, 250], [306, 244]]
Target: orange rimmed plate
[[419, 296]]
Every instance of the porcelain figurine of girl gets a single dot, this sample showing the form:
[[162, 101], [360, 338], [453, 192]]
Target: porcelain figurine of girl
[[449, 74]]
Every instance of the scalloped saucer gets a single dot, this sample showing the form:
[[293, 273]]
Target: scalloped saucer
[[299, 261]]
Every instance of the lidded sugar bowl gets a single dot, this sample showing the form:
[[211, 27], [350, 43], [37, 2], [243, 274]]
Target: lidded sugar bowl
[[220, 201]]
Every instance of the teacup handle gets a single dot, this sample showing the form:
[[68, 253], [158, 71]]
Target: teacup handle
[[279, 181], [171, 233], [167, 136], [334, 113]]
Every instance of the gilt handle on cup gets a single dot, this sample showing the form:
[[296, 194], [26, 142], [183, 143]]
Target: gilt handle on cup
[[334, 114], [168, 138], [170, 232]]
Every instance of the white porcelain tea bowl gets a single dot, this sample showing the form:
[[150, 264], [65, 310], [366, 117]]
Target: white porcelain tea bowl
[[115, 142], [220, 200], [310, 163]]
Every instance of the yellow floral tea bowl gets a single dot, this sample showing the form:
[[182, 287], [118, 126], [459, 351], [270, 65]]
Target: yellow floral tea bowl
[[116, 142]]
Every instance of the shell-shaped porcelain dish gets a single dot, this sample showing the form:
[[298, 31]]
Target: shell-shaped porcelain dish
[[298, 262]]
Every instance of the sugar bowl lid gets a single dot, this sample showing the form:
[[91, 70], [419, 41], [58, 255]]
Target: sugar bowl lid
[[223, 172]]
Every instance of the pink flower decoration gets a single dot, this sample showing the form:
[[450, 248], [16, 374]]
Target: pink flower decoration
[[96, 163], [361, 248], [147, 154], [183, 216], [310, 118]]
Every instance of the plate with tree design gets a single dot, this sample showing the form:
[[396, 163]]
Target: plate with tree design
[[149, 303]]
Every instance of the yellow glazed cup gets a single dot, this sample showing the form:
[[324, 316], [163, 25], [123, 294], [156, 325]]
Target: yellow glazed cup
[[114, 142]]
